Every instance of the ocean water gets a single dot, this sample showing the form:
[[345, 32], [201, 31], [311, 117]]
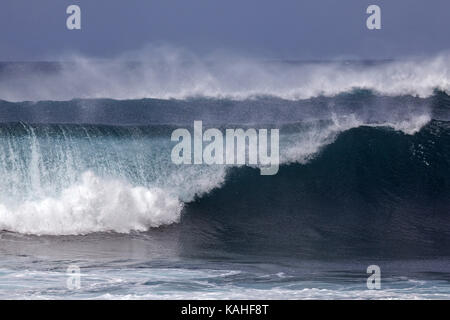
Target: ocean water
[[87, 180]]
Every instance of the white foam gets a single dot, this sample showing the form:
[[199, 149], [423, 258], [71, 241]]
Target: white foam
[[93, 205], [238, 293], [164, 283]]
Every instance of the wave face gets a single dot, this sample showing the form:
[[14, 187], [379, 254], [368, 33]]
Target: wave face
[[372, 192]]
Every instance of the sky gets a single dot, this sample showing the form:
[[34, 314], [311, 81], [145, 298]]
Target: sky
[[271, 29]]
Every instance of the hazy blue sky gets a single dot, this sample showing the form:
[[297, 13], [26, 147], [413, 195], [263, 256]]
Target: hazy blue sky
[[280, 29]]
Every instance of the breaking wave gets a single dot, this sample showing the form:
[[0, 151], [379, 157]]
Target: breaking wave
[[103, 165], [78, 179]]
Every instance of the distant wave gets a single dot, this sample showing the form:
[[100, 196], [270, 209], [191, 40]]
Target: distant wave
[[170, 74]]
